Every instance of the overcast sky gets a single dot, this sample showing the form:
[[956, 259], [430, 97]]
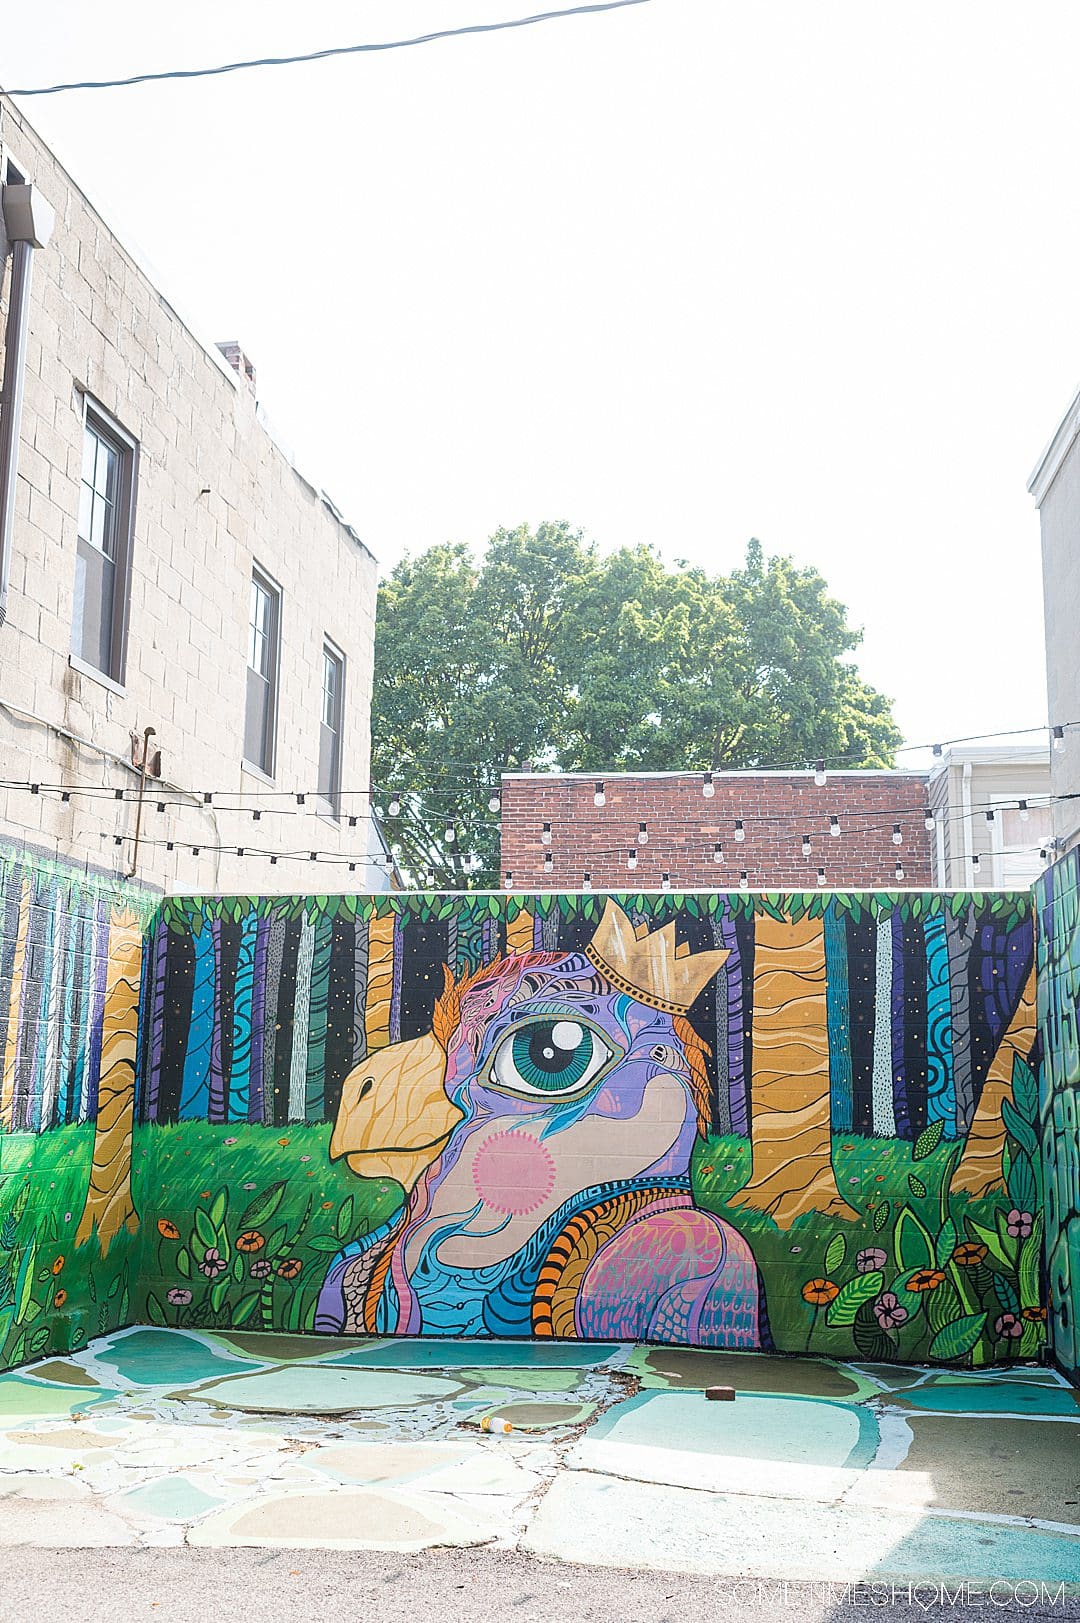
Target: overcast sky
[[683, 273]]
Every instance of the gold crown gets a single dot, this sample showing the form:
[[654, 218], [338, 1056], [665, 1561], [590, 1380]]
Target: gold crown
[[648, 965]]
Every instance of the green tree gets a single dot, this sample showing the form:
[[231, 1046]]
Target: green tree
[[546, 652]]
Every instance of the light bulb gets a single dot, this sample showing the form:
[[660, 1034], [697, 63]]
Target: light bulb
[[599, 797], [448, 834], [928, 821], [631, 858], [897, 834], [821, 876], [718, 852], [937, 751], [708, 788], [643, 834], [256, 817], [586, 881], [819, 774], [494, 801], [665, 881], [1058, 736], [806, 846], [1023, 810], [545, 834], [899, 870], [394, 808], [743, 881], [976, 862], [990, 816], [549, 862], [508, 879], [834, 826], [740, 832]]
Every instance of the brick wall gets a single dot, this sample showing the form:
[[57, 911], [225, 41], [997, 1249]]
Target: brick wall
[[777, 809], [215, 494]]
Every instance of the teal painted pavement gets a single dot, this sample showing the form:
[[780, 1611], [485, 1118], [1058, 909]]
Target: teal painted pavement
[[817, 1470]]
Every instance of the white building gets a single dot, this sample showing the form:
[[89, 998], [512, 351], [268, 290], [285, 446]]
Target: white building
[[992, 815], [164, 566], [1055, 485]]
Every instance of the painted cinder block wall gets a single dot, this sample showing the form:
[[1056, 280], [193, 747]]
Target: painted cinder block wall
[[1058, 952], [776, 808], [827, 1138]]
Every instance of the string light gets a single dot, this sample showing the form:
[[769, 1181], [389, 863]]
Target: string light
[[495, 801], [990, 815], [718, 852], [508, 879], [665, 881], [1023, 810], [899, 869], [549, 862], [744, 883], [928, 822], [740, 832], [937, 752], [834, 825], [256, 816], [806, 845], [449, 834], [631, 859], [976, 863], [394, 808], [821, 876], [1057, 735], [301, 800], [897, 834], [819, 774], [545, 834], [643, 834], [586, 881], [599, 797], [708, 788]]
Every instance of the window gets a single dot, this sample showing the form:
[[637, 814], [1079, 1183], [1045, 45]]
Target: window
[[260, 716], [106, 512], [333, 692]]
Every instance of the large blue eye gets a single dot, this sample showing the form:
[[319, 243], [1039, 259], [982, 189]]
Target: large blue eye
[[548, 1057]]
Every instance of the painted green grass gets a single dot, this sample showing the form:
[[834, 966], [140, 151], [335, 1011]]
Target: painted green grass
[[54, 1295]]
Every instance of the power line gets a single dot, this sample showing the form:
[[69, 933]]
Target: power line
[[330, 51]]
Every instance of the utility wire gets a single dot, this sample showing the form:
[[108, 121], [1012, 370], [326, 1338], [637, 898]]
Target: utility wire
[[333, 50]]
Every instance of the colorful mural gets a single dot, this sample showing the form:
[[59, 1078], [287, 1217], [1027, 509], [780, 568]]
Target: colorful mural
[[71, 945], [796, 1121], [1058, 947], [808, 1122]]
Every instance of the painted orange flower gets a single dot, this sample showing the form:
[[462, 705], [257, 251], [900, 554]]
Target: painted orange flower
[[250, 1240], [969, 1253], [820, 1291], [167, 1229], [1034, 1315], [58, 1265], [289, 1268], [927, 1279], [59, 1299], [205, 1195], [283, 1142], [328, 1205]]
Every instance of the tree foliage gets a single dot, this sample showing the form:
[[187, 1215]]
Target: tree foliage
[[545, 652]]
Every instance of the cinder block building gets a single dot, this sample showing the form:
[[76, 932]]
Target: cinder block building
[[705, 831], [164, 566]]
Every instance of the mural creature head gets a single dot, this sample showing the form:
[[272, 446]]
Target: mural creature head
[[550, 1084]]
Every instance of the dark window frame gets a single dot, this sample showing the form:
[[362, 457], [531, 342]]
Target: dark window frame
[[99, 422], [266, 767], [332, 798]]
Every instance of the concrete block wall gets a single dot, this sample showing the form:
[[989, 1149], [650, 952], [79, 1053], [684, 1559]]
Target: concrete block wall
[[215, 495]]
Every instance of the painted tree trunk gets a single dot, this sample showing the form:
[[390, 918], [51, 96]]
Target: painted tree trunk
[[979, 1172], [108, 1206], [791, 1128], [959, 934]]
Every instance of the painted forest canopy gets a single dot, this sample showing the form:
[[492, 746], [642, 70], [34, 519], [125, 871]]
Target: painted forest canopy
[[545, 651]]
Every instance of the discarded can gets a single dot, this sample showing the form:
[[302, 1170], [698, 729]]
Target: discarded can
[[495, 1422], [720, 1394]]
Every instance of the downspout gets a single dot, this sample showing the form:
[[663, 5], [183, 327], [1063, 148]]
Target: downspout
[[28, 222], [969, 847]]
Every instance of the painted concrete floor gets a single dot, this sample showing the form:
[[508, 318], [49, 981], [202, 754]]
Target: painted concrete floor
[[835, 1472]]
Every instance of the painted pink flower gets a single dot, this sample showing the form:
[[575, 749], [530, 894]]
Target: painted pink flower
[[249, 1186], [1008, 1326], [1019, 1224], [260, 1269], [178, 1298], [228, 1141], [888, 1312], [67, 1217], [213, 1263], [870, 1259], [305, 1158]]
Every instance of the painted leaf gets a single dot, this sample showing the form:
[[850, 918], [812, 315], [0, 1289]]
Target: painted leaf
[[324, 1242], [154, 1311], [863, 1288], [945, 1244], [1010, 1245], [990, 1238], [218, 1207], [344, 1222], [835, 1252], [917, 1187], [1018, 1128], [912, 1245], [1025, 1089], [955, 1339], [205, 1232], [928, 1140], [245, 1308], [881, 1216], [183, 1263], [218, 1292], [40, 1339], [1029, 1268], [945, 1306], [262, 1206], [24, 1282], [871, 1340]]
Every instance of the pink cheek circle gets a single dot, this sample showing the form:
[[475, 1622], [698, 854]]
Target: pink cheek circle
[[513, 1173]]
